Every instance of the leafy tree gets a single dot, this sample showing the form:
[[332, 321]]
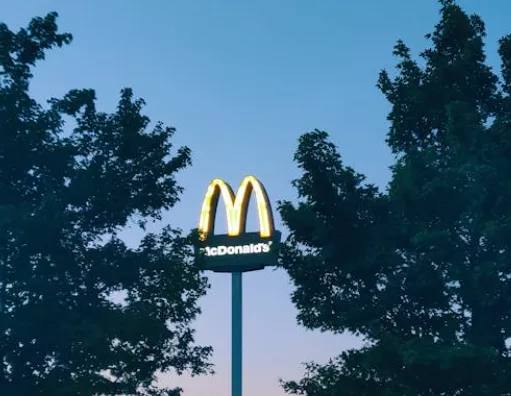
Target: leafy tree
[[421, 270], [65, 193]]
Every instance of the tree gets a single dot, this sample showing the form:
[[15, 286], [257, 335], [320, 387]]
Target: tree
[[71, 178], [421, 270]]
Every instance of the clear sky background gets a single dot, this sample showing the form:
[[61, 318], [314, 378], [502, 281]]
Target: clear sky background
[[241, 80]]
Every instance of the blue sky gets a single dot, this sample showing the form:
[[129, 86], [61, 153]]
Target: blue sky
[[241, 80]]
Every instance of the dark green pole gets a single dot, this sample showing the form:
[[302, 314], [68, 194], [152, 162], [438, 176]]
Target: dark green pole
[[236, 334]]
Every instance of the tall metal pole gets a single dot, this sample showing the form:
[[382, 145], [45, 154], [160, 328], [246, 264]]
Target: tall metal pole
[[236, 379]]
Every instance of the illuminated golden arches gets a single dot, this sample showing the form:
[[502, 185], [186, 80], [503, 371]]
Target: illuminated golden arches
[[236, 207]]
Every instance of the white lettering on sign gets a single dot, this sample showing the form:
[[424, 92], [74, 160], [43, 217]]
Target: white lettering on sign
[[239, 249]]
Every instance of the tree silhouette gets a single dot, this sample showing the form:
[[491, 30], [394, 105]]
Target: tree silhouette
[[421, 270], [64, 196]]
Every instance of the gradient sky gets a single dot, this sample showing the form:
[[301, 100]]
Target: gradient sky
[[241, 80]]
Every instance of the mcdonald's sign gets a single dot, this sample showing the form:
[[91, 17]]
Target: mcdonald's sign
[[238, 250]]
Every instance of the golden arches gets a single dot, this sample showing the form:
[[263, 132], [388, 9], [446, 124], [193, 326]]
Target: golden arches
[[236, 207]]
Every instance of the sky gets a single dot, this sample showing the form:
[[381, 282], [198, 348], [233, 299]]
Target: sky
[[241, 81]]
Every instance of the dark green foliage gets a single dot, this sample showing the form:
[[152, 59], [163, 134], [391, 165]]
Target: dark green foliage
[[64, 196], [422, 270]]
